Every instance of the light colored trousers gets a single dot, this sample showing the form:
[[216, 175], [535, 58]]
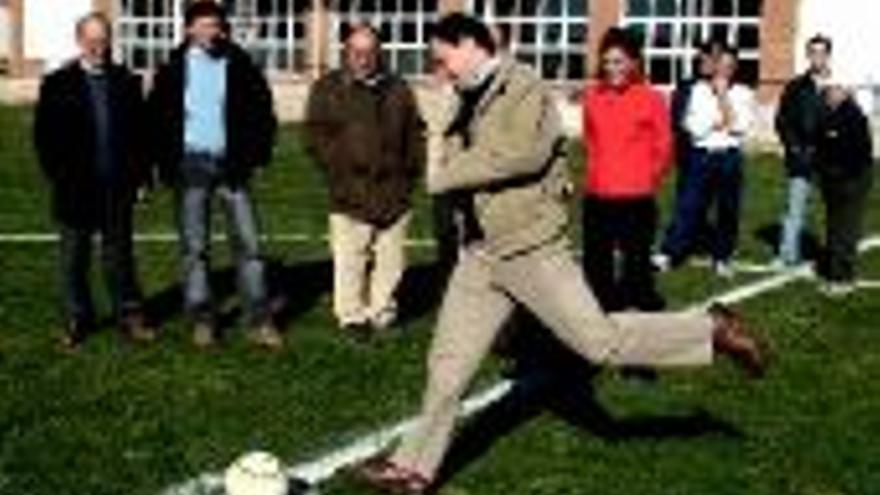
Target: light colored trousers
[[797, 201], [482, 294], [368, 264]]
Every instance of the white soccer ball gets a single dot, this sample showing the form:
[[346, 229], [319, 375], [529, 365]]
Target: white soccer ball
[[256, 473]]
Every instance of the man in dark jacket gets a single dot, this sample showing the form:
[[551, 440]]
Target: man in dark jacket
[[88, 136], [797, 124], [367, 135], [214, 125], [845, 172]]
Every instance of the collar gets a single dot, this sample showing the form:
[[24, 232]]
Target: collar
[[91, 69], [479, 75]]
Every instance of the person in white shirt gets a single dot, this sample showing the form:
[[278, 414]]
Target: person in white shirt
[[719, 117]]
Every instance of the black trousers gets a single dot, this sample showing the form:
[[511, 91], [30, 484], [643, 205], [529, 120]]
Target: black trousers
[[113, 221], [845, 201], [618, 236]]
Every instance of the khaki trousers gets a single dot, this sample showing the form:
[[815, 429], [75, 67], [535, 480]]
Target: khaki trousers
[[482, 294], [368, 264]]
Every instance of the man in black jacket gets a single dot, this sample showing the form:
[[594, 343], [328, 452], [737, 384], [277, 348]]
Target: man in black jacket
[[89, 138], [845, 172], [797, 124], [214, 125]]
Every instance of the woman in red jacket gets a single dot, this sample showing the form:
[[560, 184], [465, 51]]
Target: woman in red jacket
[[628, 145]]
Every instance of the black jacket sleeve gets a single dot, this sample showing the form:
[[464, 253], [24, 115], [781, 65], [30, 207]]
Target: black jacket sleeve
[[45, 121]]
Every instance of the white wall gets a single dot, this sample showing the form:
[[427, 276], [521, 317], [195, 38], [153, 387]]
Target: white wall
[[49, 33], [852, 26]]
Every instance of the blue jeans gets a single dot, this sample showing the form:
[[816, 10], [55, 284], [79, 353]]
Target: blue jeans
[[202, 180], [715, 182], [793, 220]]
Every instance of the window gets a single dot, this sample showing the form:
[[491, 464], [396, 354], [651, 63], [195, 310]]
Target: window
[[404, 26], [673, 29], [273, 31], [146, 31], [551, 35]]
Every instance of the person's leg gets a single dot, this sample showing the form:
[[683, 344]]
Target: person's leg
[[473, 310], [389, 263], [120, 271], [243, 227], [193, 219], [793, 220], [75, 257], [547, 283], [350, 243], [598, 251], [118, 260], [445, 234], [639, 224], [845, 204], [690, 210], [729, 198]]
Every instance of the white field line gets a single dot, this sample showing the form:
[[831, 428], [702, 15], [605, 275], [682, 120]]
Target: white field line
[[168, 237], [324, 468]]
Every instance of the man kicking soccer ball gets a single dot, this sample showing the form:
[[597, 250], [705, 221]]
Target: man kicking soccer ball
[[503, 152]]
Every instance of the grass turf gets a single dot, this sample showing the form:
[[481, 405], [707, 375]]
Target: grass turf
[[120, 420]]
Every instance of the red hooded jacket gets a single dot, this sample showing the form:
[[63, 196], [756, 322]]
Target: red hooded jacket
[[627, 139]]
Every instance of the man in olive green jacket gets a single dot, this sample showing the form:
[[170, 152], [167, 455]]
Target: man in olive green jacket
[[366, 133], [503, 156]]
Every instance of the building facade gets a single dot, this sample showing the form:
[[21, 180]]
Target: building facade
[[297, 40]]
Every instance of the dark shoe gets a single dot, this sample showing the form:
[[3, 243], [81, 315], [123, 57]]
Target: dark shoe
[[732, 338], [204, 335], [267, 337], [360, 333], [136, 329], [74, 335], [381, 474]]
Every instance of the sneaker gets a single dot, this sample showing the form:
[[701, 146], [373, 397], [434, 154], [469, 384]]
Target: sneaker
[[204, 336], [75, 333], [723, 269], [267, 336], [662, 262], [134, 327], [835, 289], [780, 265]]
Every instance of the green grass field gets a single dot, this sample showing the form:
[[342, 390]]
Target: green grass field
[[120, 420]]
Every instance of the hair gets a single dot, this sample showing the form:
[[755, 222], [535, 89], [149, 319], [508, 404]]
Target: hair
[[821, 39], [624, 40], [356, 27], [713, 46], [98, 17], [205, 8], [730, 50], [457, 27]]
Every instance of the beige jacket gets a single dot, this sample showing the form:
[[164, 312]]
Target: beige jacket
[[515, 167]]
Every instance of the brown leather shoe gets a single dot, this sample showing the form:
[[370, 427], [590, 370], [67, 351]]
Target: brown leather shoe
[[135, 327], [74, 336], [732, 338], [267, 336], [204, 336], [381, 474]]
